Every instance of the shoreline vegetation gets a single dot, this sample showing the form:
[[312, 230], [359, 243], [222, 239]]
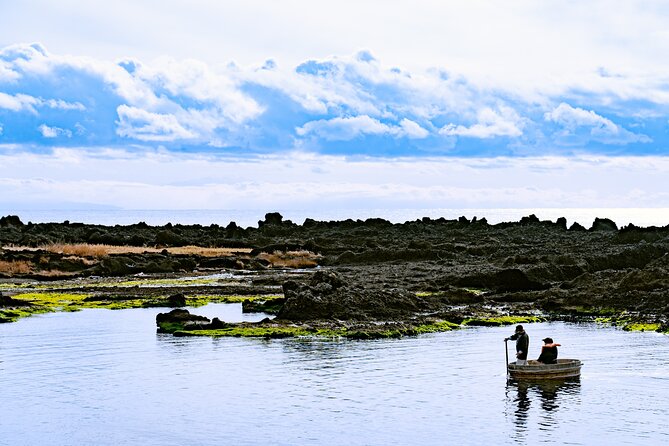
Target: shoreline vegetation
[[354, 279]]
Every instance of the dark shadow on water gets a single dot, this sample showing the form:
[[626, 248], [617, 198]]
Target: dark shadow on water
[[535, 405]]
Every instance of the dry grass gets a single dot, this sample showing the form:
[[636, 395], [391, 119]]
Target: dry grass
[[15, 267], [208, 252], [291, 259], [88, 250]]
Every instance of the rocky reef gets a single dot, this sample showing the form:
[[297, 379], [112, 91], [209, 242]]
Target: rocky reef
[[370, 273]]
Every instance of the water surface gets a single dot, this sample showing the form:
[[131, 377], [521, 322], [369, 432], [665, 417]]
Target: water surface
[[100, 377]]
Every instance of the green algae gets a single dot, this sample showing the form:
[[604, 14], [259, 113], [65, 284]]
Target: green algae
[[14, 314], [599, 311], [641, 326], [436, 327], [254, 332], [66, 302], [499, 321], [54, 301], [10, 286], [631, 323], [286, 331], [164, 282], [204, 299]]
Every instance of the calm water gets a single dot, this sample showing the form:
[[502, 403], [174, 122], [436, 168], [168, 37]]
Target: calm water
[[102, 377], [245, 218]]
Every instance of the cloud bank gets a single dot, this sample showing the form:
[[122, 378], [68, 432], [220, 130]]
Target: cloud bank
[[336, 132], [158, 179], [352, 105]]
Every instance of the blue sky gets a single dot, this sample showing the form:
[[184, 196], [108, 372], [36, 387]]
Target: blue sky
[[299, 104]]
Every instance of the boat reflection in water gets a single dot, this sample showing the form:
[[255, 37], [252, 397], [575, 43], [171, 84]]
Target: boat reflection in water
[[537, 403]]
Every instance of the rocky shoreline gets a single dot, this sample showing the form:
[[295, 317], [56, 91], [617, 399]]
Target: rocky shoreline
[[353, 277]]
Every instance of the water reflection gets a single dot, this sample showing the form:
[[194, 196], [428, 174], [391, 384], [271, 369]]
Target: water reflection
[[545, 397]]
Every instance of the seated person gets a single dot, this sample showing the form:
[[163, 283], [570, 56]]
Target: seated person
[[549, 352]]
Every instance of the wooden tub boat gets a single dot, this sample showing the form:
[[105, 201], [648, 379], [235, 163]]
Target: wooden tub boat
[[534, 370]]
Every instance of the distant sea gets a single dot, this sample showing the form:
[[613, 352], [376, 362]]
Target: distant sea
[[585, 216]]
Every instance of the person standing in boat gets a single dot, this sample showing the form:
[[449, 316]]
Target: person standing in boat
[[522, 344], [549, 352]]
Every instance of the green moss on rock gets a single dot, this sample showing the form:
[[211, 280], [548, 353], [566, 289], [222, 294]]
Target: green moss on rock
[[499, 321]]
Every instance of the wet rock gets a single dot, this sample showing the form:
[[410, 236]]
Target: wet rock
[[115, 266], [512, 279], [330, 278], [327, 296], [460, 296], [177, 300], [6, 301], [270, 306], [217, 324], [179, 316]]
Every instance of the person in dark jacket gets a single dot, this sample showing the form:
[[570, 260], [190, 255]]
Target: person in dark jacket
[[549, 352], [522, 344]]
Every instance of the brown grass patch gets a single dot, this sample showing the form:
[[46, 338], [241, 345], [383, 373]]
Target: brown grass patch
[[15, 267], [89, 250], [291, 259]]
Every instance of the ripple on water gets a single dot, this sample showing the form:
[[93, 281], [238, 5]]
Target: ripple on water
[[105, 377]]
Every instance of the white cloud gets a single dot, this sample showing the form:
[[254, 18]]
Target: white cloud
[[334, 99], [53, 132], [18, 102], [412, 130], [348, 128], [23, 102], [337, 129], [197, 81], [599, 128], [146, 126], [7, 75], [59, 104], [491, 123]]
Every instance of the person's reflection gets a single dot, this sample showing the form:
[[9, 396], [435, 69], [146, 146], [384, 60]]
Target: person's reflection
[[522, 401], [550, 395]]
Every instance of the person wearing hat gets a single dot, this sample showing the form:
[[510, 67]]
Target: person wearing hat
[[522, 344], [549, 352]]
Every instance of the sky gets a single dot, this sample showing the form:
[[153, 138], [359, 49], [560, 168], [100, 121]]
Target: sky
[[350, 104]]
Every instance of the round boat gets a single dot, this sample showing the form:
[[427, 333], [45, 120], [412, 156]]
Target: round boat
[[534, 370]]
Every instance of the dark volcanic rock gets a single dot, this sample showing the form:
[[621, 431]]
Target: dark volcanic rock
[[168, 238], [271, 218], [177, 300], [6, 301], [116, 266], [179, 316], [380, 266], [328, 297], [11, 220], [506, 280], [603, 224], [577, 227]]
